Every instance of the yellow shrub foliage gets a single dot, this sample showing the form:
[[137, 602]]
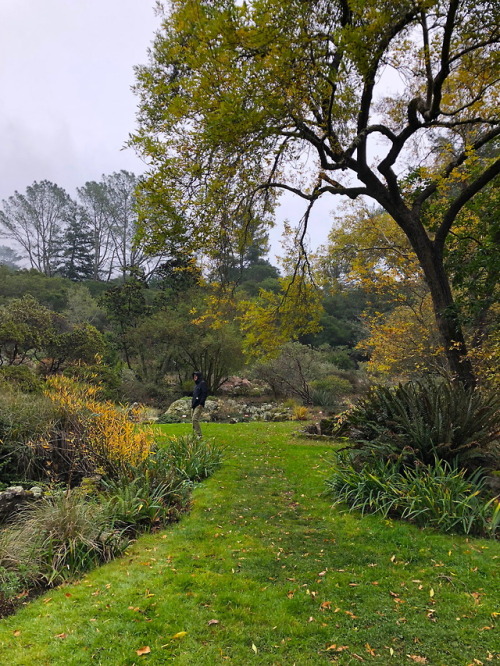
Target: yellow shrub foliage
[[105, 432]]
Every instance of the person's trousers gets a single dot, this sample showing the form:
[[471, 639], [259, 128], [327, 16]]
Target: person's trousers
[[196, 413]]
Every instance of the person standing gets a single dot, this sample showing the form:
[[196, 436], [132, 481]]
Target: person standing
[[198, 401]]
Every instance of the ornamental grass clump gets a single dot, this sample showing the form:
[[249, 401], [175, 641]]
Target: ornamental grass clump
[[57, 538], [146, 496], [194, 459], [438, 495]]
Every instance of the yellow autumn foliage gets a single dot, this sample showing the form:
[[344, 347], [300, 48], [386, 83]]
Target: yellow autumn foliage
[[102, 431], [404, 342], [274, 319]]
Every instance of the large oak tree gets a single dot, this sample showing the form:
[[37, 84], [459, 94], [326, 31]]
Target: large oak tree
[[393, 101]]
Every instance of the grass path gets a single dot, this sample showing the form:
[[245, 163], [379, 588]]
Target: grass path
[[262, 571]]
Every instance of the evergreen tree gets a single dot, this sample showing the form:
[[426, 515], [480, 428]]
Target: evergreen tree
[[77, 253]]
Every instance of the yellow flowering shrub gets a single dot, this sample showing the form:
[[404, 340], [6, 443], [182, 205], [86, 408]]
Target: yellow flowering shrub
[[97, 434]]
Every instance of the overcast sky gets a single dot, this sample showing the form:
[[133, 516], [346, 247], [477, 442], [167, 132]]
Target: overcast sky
[[66, 107]]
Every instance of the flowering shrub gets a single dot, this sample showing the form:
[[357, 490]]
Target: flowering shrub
[[91, 435]]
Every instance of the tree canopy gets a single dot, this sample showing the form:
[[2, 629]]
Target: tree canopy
[[397, 102]]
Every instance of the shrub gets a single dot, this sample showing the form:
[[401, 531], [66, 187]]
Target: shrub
[[22, 378], [91, 435], [156, 490], [329, 391], [67, 433], [337, 386], [11, 584], [170, 418], [438, 495], [23, 419], [106, 378], [424, 420]]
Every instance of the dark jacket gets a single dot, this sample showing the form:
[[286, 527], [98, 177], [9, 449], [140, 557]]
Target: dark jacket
[[200, 392]]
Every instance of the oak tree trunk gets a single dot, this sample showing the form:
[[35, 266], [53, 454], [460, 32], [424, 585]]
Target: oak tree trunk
[[431, 261]]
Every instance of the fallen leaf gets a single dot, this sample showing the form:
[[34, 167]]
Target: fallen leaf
[[417, 659], [180, 634], [16, 633], [61, 636], [370, 650], [338, 648], [143, 650], [210, 622], [254, 648], [68, 595], [431, 592], [326, 604]]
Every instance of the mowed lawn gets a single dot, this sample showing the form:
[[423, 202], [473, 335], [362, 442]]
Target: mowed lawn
[[264, 571]]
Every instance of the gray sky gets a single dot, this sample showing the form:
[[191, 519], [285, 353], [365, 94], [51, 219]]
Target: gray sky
[[66, 108]]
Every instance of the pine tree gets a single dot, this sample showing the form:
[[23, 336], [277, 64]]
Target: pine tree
[[77, 252]]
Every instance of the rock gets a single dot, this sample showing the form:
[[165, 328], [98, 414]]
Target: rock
[[14, 497], [227, 410], [180, 411], [312, 429]]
